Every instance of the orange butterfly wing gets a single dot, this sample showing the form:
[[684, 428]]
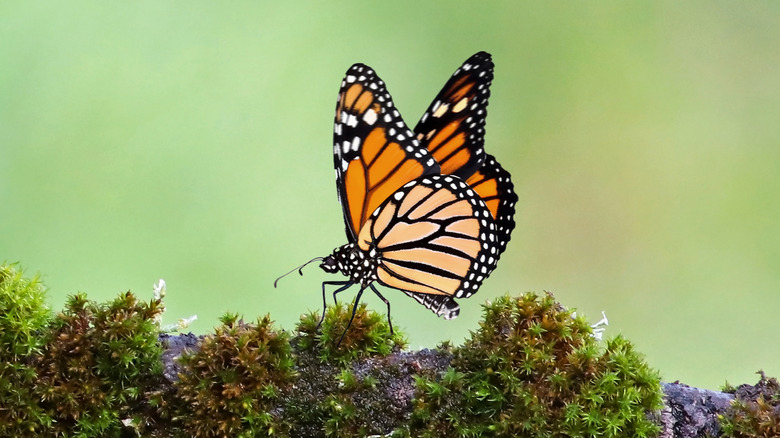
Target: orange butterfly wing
[[374, 152], [493, 184], [453, 127]]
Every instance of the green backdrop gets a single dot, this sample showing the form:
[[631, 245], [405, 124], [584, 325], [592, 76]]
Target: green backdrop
[[191, 141]]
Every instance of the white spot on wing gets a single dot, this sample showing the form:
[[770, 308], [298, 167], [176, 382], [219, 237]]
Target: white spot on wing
[[370, 117]]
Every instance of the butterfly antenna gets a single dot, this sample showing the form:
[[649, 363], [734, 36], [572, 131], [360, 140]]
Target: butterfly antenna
[[299, 269]]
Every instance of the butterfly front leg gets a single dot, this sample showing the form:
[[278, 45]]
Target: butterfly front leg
[[344, 286]]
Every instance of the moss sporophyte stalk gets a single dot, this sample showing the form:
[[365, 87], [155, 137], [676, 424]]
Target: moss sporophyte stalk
[[96, 370]]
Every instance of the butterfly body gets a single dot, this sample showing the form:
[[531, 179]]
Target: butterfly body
[[356, 264]]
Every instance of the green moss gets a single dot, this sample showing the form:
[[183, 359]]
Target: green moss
[[533, 370], [23, 319], [230, 384], [73, 374], [755, 411], [96, 360], [368, 336], [348, 381], [341, 419], [23, 314]]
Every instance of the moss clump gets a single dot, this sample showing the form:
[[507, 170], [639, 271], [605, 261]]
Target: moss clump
[[228, 387], [23, 314], [23, 318], [76, 373], [368, 336], [96, 360], [533, 370], [356, 401], [755, 411]]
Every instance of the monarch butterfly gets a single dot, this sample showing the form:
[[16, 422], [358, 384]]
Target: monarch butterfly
[[426, 211]]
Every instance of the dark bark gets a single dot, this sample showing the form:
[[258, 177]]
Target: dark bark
[[692, 412]]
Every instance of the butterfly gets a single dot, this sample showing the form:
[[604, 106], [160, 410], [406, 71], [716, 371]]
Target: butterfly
[[426, 211]]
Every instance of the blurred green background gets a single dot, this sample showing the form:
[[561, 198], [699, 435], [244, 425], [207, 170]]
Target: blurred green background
[[192, 142]]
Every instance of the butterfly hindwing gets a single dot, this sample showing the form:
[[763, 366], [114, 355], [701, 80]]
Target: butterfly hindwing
[[375, 153], [442, 305], [453, 127], [493, 184], [494, 187], [434, 236]]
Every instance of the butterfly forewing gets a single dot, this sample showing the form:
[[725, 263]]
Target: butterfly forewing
[[434, 236], [453, 127], [375, 153]]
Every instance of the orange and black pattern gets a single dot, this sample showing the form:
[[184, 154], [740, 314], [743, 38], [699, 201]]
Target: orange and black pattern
[[453, 127], [373, 151], [427, 212], [435, 237], [493, 185]]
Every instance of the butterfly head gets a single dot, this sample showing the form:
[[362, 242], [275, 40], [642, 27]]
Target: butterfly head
[[329, 264], [339, 260]]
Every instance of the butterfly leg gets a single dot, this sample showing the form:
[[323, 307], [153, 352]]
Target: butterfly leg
[[344, 286], [354, 309], [373, 288]]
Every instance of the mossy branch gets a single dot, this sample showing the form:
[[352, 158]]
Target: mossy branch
[[530, 369]]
